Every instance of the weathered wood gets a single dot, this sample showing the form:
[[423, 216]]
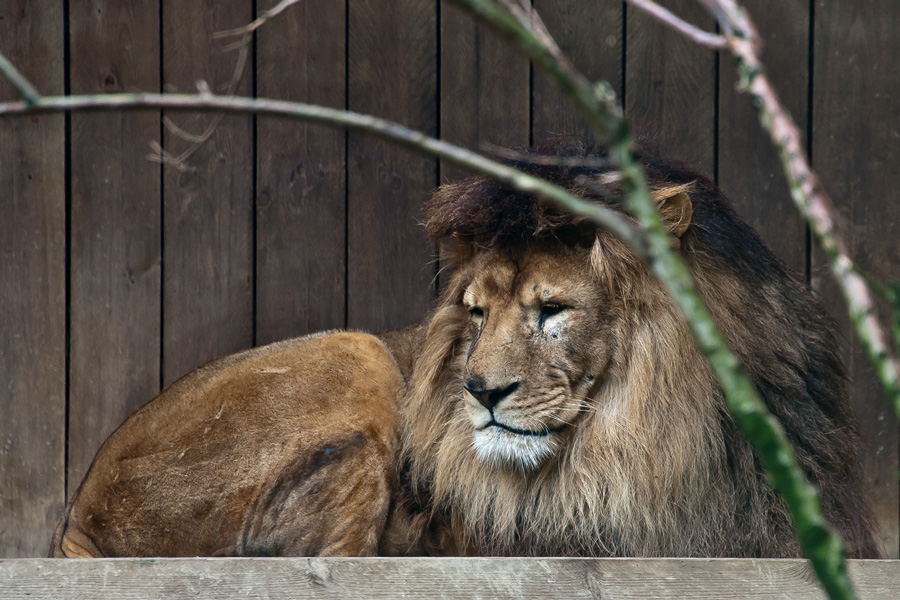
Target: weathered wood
[[32, 287], [855, 132], [590, 34], [302, 249], [468, 578], [301, 196], [485, 87], [115, 232], [670, 85], [750, 172], [485, 92], [208, 208], [392, 74]]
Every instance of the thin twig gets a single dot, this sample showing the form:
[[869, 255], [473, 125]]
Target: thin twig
[[160, 154], [667, 17], [613, 221], [251, 27], [177, 131], [806, 191], [18, 80]]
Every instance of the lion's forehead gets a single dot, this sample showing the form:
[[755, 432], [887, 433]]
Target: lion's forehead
[[531, 278]]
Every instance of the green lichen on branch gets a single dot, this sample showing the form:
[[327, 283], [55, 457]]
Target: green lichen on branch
[[811, 202]]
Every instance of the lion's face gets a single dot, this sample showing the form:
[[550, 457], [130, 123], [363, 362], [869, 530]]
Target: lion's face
[[534, 350]]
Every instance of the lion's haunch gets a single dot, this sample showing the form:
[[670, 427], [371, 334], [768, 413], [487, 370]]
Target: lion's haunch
[[282, 450]]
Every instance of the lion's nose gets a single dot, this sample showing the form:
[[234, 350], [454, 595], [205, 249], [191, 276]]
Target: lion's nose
[[489, 398]]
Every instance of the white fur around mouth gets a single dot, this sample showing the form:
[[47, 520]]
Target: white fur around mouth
[[502, 447]]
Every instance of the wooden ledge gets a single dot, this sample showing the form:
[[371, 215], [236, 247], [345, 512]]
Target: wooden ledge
[[277, 578]]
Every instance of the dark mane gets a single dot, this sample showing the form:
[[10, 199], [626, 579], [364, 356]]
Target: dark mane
[[486, 211], [483, 211]]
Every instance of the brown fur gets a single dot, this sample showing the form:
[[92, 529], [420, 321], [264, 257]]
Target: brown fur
[[282, 450], [640, 456]]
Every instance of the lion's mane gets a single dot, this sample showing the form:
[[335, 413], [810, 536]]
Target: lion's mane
[[657, 467]]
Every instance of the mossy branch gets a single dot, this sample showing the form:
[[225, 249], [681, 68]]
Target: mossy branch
[[597, 104], [806, 191]]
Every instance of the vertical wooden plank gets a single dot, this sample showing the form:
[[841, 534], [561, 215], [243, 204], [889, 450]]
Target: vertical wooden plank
[[208, 206], [32, 288], [484, 87], [115, 232], [590, 34], [856, 127], [749, 170], [670, 85], [392, 74], [300, 231]]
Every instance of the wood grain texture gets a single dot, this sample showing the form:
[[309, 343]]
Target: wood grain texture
[[485, 88], [208, 207], [750, 172], [300, 227], [115, 231], [392, 74], [469, 578], [32, 288], [670, 85], [590, 34], [856, 127]]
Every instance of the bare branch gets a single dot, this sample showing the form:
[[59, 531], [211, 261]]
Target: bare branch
[[664, 15], [187, 136], [161, 155], [245, 34], [18, 80], [613, 221], [251, 27], [810, 198]]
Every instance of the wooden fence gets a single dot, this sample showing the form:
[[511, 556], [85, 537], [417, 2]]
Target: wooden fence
[[117, 275]]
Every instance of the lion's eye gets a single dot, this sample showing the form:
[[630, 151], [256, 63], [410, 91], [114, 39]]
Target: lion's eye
[[476, 315], [548, 311]]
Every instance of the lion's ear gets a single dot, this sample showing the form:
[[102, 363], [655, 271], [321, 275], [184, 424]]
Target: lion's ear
[[675, 208]]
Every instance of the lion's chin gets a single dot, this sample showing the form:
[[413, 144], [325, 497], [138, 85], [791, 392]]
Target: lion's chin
[[502, 448]]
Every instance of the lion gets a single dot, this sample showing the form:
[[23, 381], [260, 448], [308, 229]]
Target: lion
[[553, 404]]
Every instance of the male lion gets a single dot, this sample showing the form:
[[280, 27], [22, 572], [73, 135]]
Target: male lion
[[553, 404]]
